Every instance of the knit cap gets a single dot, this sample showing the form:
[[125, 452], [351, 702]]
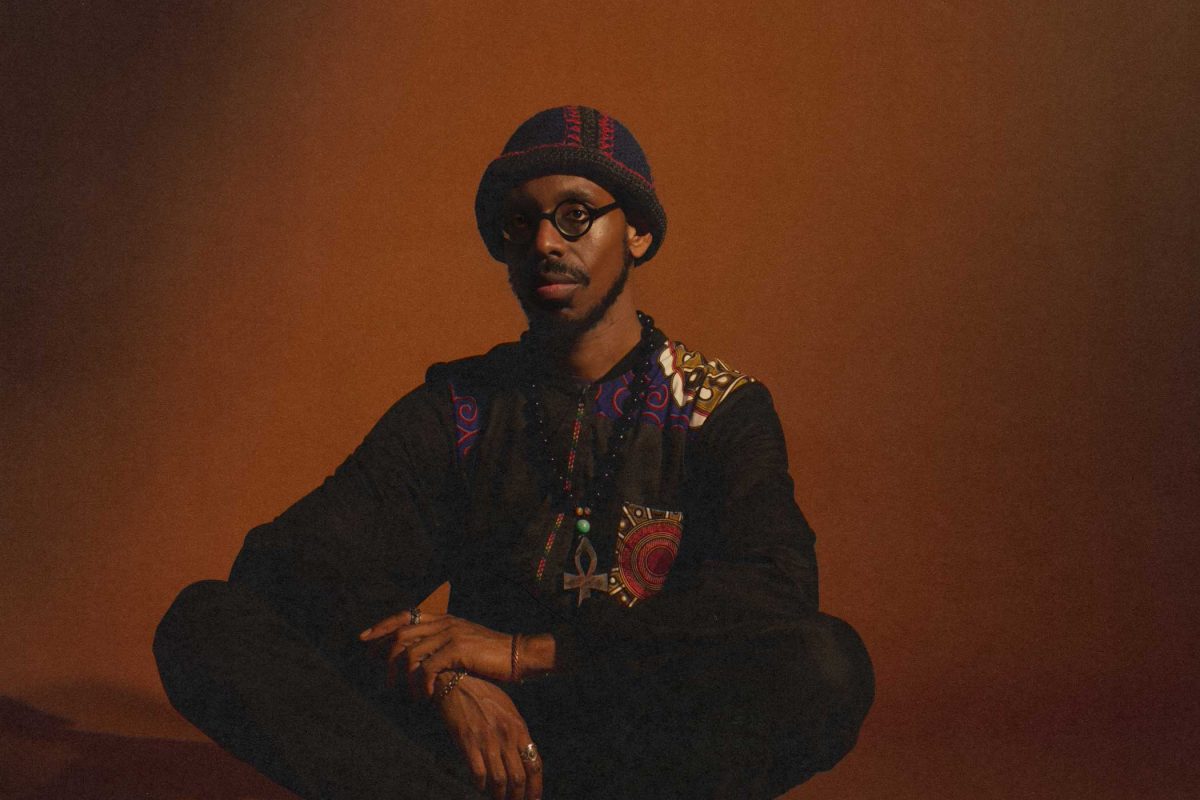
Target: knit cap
[[572, 140]]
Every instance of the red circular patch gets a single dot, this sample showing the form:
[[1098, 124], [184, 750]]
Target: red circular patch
[[647, 553]]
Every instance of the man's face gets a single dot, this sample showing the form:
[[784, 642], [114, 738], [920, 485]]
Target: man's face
[[563, 283]]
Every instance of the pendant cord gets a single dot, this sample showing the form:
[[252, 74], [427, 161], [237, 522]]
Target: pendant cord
[[563, 475]]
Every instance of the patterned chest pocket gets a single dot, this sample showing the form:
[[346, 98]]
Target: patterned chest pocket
[[647, 543]]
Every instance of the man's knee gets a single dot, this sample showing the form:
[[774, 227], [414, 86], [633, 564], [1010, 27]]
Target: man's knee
[[767, 710], [210, 630], [197, 618], [834, 688], [839, 665], [186, 615], [192, 624]]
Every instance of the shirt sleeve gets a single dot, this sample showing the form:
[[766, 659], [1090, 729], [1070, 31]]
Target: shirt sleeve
[[747, 562], [370, 539]]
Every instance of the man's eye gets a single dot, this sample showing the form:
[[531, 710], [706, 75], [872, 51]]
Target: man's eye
[[576, 213]]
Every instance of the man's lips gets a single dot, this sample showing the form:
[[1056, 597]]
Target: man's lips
[[556, 290], [555, 286]]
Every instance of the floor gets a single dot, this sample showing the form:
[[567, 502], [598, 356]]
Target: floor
[[43, 757]]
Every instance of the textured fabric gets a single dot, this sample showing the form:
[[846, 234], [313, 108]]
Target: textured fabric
[[697, 728], [572, 140], [715, 626], [745, 550], [239, 670]]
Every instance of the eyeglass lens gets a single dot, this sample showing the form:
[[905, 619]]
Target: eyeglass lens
[[571, 217]]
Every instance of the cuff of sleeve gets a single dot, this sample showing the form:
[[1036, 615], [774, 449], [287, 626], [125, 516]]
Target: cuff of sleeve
[[568, 649]]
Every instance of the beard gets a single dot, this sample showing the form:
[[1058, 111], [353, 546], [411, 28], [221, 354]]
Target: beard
[[548, 328]]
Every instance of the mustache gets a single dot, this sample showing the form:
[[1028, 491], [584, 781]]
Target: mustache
[[550, 268]]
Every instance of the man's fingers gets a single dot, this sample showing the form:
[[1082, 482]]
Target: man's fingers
[[396, 661], [397, 622], [528, 761], [415, 648], [419, 653], [516, 774], [397, 649], [497, 778], [422, 630], [478, 768], [445, 658], [410, 659], [533, 785], [430, 675], [533, 776], [474, 757], [424, 661], [385, 626], [409, 656]]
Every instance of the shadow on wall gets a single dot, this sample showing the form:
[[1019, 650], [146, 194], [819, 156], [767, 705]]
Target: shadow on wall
[[43, 758]]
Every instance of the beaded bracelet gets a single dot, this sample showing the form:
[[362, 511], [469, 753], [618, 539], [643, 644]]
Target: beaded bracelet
[[452, 682]]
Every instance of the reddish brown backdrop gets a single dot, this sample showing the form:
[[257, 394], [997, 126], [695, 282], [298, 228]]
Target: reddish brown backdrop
[[959, 244]]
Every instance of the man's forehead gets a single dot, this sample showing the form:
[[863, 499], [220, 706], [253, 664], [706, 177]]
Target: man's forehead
[[555, 188]]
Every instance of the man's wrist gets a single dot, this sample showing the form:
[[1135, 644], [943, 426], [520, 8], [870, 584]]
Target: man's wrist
[[533, 656], [444, 683]]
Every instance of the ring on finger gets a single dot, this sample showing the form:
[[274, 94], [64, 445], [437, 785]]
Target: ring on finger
[[414, 616], [529, 754]]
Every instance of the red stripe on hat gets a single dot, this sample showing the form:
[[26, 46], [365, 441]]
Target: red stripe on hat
[[574, 126], [607, 136]]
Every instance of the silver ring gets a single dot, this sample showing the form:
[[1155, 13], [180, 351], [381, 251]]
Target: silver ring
[[414, 616], [529, 753]]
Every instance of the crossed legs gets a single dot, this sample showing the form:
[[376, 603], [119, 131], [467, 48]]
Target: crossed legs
[[749, 720]]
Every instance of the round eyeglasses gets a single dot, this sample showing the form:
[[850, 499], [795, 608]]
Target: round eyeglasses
[[571, 218]]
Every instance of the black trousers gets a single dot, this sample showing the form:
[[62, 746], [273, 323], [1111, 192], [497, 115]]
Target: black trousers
[[746, 720]]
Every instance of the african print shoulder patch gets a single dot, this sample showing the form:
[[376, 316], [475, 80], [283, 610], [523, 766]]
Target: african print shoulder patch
[[466, 422], [647, 543], [697, 383], [473, 383]]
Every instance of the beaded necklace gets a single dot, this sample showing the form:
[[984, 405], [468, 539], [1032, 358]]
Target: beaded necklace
[[610, 466]]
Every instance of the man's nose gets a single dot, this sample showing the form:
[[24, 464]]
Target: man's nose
[[547, 240]]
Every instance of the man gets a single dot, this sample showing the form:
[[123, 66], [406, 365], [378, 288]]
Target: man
[[633, 588]]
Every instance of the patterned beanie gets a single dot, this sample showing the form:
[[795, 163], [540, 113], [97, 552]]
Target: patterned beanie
[[572, 140]]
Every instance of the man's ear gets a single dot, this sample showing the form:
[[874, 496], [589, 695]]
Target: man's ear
[[638, 241]]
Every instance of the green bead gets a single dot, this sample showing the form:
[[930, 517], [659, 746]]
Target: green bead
[[582, 525]]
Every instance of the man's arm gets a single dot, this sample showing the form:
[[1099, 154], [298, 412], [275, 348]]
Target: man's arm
[[747, 566], [370, 539]]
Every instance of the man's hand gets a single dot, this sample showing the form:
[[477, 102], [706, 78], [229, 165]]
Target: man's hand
[[439, 643], [492, 735]]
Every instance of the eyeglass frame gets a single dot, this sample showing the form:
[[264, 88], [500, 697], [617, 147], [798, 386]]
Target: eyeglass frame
[[537, 217]]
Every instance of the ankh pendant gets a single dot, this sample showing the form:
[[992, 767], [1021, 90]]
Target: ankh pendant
[[585, 580]]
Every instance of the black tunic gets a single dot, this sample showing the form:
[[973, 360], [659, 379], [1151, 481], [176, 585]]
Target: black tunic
[[702, 669], [449, 485]]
